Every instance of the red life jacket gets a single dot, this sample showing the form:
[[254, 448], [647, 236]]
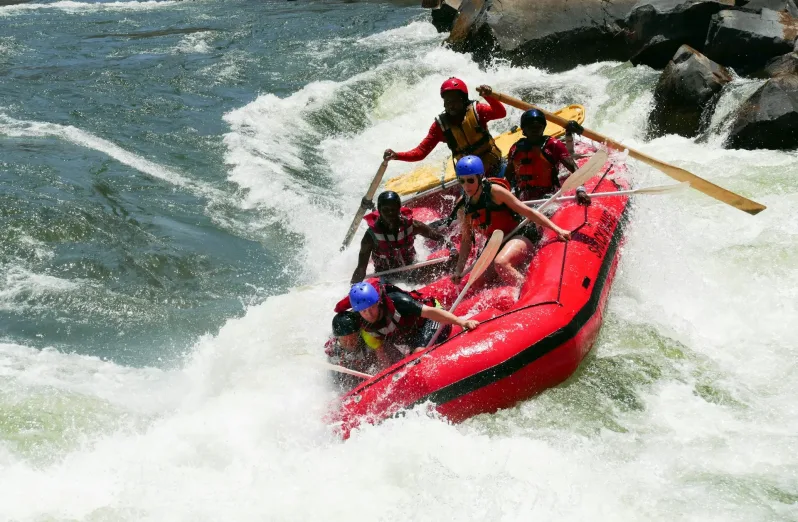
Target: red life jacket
[[535, 170], [392, 250], [486, 215], [392, 324]]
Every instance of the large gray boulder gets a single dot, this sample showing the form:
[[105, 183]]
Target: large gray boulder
[[781, 65], [552, 34], [655, 29], [747, 41], [756, 6], [769, 118], [443, 17], [686, 94]]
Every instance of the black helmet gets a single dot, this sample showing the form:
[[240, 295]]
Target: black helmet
[[532, 115], [345, 323], [387, 197]]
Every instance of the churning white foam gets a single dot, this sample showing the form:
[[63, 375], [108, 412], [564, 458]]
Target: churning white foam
[[237, 432], [82, 7]]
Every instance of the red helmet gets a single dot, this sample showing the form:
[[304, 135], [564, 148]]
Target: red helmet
[[454, 84]]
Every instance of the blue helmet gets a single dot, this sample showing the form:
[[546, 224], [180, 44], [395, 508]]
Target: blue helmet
[[469, 166], [532, 115], [362, 295]]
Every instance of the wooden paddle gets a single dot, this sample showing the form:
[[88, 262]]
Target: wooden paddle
[[422, 264], [677, 173], [340, 369], [655, 190], [582, 174], [361, 211], [484, 261], [429, 262]]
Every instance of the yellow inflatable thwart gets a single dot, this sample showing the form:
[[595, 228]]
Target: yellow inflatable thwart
[[427, 176]]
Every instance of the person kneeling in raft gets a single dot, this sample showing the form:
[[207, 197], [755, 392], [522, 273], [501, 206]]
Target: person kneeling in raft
[[390, 237], [399, 321], [349, 347], [533, 162], [488, 205], [463, 125]]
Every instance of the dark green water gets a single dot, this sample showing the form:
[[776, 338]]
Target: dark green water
[[99, 257]]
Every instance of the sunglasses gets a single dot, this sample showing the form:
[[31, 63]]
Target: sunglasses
[[470, 181]]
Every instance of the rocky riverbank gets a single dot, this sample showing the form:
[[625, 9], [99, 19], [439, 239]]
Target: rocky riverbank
[[698, 44]]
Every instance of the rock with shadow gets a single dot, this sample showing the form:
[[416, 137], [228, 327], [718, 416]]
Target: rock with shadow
[[655, 29], [686, 94], [747, 41], [553, 34], [769, 118]]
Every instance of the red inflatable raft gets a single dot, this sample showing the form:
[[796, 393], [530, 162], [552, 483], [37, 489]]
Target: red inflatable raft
[[522, 346]]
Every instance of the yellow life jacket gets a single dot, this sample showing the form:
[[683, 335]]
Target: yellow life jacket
[[372, 342], [471, 138]]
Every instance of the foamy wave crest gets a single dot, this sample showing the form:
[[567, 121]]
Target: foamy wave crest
[[23, 284], [81, 7], [18, 128]]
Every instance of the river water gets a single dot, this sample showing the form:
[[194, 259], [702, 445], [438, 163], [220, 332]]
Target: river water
[[176, 175]]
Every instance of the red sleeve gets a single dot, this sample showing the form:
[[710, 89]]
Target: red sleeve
[[434, 136], [557, 150], [493, 110]]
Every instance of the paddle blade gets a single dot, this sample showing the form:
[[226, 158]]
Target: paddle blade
[[586, 171], [582, 174], [701, 185], [361, 211], [485, 259]]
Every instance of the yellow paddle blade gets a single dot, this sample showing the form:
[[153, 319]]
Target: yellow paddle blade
[[428, 176]]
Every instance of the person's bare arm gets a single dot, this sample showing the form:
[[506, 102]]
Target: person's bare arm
[[444, 317], [502, 195], [366, 246]]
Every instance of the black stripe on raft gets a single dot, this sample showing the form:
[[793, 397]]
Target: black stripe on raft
[[542, 347]]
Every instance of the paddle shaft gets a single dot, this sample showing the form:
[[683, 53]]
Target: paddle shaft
[[427, 192], [341, 369], [361, 211], [660, 189], [429, 262], [677, 173]]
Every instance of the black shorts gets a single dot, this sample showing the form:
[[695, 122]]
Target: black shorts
[[532, 232], [428, 329]]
